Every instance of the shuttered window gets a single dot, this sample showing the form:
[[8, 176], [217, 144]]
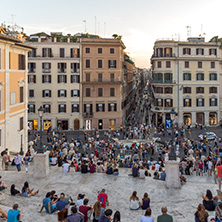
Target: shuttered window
[[21, 94]]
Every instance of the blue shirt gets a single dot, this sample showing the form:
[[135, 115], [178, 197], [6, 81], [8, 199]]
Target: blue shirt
[[45, 204], [61, 204], [13, 215], [146, 219]]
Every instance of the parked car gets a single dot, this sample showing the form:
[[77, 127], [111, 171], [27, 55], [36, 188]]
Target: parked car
[[209, 135]]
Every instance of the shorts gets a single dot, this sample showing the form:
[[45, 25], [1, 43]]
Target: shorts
[[219, 179]]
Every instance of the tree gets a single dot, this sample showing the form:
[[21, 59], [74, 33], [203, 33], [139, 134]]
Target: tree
[[114, 36]]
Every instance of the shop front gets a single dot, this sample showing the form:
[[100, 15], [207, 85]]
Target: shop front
[[187, 119], [213, 118], [33, 124], [88, 124], [46, 124], [200, 118], [112, 124], [64, 124]]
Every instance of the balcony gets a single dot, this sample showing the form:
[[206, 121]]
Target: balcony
[[162, 82], [75, 70], [160, 109], [61, 70], [104, 81], [46, 70], [164, 55], [31, 70], [88, 114]]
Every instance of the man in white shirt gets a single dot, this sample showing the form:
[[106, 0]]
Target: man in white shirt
[[18, 161], [66, 167], [209, 170]]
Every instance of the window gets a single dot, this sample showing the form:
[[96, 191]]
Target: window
[[32, 79], [31, 93], [186, 51], [100, 77], [112, 77], [62, 79], [74, 53], [111, 64], [31, 108], [46, 52], [46, 78], [158, 89], [87, 50], [112, 91], [21, 62], [21, 94], [112, 107], [13, 98], [0, 61], [112, 51], [213, 102], [47, 108], [88, 109], [100, 63], [212, 51], [87, 63], [168, 102], [75, 108], [187, 90], [61, 93], [74, 79], [62, 108], [0, 100], [168, 77], [159, 52], [168, 52], [168, 90], [62, 53], [87, 77], [168, 65], [31, 66], [212, 65], [200, 102], [21, 125], [100, 50], [159, 102], [9, 60], [159, 65], [200, 90], [61, 67], [88, 92], [187, 102], [213, 76], [100, 91], [200, 76], [32, 53], [199, 51], [46, 93], [199, 65], [75, 67], [213, 90], [158, 77], [100, 107], [186, 64], [75, 93], [46, 67]]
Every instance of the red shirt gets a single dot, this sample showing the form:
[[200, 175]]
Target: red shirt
[[219, 172], [84, 210], [102, 197]]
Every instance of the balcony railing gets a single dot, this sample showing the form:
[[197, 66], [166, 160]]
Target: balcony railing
[[88, 114], [164, 55], [61, 70], [75, 70], [31, 70], [160, 109], [162, 81], [46, 70]]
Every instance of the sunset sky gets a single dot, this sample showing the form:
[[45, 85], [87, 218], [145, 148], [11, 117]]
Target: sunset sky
[[140, 22]]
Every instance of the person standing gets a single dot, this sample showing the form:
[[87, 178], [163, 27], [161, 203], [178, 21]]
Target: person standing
[[5, 160], [26, 160], [164, 217], [219, 173], [18, 161]]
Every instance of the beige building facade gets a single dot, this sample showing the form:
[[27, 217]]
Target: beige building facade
[[54, 75], [186, 78]]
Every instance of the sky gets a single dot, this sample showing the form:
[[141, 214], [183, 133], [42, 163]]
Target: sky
[[140, 23]]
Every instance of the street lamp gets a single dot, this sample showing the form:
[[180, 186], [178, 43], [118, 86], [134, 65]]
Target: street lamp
[[172, 154], [40, 112]]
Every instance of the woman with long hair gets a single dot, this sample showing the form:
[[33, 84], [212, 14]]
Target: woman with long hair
[[97, 211], [208, 201], [117, 216], [13, 191], [26, 192], [145, 201], [134, 201], [201, 214]]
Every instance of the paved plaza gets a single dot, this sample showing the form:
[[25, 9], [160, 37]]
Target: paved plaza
[[181, 203]]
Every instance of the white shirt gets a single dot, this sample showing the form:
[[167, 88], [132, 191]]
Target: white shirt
[[209, 165], [79, 203], [53, 160], [65, 167]]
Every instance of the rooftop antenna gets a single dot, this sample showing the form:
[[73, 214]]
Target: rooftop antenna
[[98, 28], [104, 29], [188, 31], [95, 24], [85, 24]]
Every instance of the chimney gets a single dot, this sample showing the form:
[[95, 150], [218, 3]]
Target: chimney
[[55, 38], [68, 39], [39, 38]]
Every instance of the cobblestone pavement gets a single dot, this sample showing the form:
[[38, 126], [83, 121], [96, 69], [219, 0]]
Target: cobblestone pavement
[[181, 203]]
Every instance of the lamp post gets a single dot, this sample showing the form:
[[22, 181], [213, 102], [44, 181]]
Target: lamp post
[[172, 154], [40, 112], [21, 149]]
